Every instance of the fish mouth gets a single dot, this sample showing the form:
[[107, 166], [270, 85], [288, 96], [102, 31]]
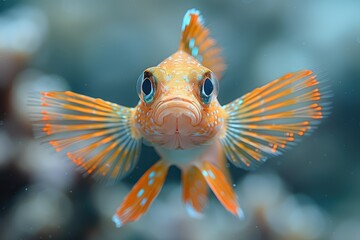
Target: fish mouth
[[180, 110]]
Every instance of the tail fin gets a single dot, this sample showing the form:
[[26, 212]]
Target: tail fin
[[268, 120], [195, 41]]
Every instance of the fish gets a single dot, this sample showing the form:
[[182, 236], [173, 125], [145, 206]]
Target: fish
[[179, 115]]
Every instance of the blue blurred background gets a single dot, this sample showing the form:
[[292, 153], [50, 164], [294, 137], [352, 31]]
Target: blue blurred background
[[99, 48]]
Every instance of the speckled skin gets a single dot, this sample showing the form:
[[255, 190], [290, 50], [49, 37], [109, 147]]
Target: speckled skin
[[177, 118]]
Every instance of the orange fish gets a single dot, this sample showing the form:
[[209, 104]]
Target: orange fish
[[179, 115]]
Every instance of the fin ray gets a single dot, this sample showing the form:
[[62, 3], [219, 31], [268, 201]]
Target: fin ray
[[195, 192], [195, 41], [97, 136], [221, 187], [144, 192], [266, 121]]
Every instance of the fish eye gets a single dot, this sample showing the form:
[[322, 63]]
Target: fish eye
[[208, 89], [145, 87]]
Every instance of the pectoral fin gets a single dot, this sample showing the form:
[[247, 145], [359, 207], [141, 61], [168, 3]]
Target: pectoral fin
[[98, 136], [270, 119]]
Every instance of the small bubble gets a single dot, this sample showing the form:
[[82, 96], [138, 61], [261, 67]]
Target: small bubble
[[26, 189], [234, 185]]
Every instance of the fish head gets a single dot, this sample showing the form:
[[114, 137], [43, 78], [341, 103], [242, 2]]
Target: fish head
[[178, 106]]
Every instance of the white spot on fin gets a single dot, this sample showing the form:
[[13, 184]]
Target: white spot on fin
[[151, 181], [143, 202], [187, 18], [117, 221], [240, 213], [152, 174], [186, 21], [192, 212], [192, 43], [141, 192], [194, 51], [211, 174]]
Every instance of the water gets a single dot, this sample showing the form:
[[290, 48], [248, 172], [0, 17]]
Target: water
[[101, 52]]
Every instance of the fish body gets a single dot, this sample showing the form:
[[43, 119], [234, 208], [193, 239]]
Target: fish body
[[176, 118], [179, 115]]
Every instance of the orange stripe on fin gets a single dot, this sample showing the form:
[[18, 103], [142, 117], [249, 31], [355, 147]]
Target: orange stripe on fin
[[195, 41], [264, 122], [195, 192], [98, 136], [144, 192], [222, 189]]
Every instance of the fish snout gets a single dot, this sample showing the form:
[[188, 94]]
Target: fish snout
[[180, 110]]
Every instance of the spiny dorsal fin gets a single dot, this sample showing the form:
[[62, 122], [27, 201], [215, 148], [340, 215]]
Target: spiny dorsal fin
[[195, 40]]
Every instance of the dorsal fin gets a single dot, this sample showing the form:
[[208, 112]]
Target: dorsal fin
[[195, 40]]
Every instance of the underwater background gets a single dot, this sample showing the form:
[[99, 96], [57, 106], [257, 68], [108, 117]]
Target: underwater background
[[99, 48]]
